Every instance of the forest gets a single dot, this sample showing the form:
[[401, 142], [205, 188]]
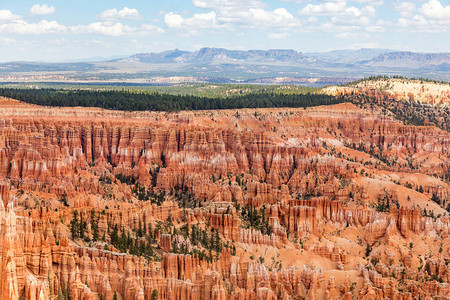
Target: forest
[[153, 101]]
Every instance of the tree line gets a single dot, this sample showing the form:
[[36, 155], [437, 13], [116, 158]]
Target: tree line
[[142, 100]]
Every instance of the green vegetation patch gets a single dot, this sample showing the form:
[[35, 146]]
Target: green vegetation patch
[[154, 101]]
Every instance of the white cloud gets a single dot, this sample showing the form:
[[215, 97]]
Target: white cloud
[[56, 42], [419, 23], [343, 20], [42, 27], [101, 28], [13, 24], [369, 11], [332, 27], [431, 17], [228, 5], [327, 8], [173, 20], [340, 14], [278, 35], [250, 13], [375, 28], [312, 20], [405, 9], [417, 20], [189, 33], [254, 17], [338, 9], [123, 14], [257, 17], [115, 29], [277, 17], [4, 40], [150, 29], [351, 35], [370, 2], [7, 15], [379, 26], [43, 9], [364, 45], [201, 20], [433, 9]]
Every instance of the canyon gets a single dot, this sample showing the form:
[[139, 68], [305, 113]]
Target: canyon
[[326, 202]]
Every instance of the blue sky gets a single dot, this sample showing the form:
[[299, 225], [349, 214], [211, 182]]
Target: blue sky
[[65, 30]]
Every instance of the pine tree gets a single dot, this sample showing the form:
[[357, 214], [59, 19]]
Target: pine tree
[[123, 244], [94, 226], [82, 227], [115, 236], [155, 294], [435, 199], [74, 225], [139, 233], [217, 242]]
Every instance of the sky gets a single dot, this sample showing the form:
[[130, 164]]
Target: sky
[[64, 30]]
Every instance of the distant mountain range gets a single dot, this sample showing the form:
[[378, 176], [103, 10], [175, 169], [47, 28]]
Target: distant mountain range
[[222, 65], [209, 55], [348, 56], [361, 57], [410, 60]]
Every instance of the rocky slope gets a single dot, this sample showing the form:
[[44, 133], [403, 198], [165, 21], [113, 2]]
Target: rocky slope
[[399, 90], [322, 203]]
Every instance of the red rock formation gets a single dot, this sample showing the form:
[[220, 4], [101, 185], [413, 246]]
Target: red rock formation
[[321, 176]]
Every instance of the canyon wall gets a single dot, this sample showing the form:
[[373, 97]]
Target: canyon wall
[[328, 202]]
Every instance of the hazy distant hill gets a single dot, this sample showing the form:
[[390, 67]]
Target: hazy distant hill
[[348, 56], [169, 56], [409, 60], [223, 65], [208, 55], [362, 57]]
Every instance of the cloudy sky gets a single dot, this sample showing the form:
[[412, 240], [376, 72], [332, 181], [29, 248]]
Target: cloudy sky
[[65, 30]]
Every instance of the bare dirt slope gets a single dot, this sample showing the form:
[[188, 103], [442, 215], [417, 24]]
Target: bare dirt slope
[[399, 89]]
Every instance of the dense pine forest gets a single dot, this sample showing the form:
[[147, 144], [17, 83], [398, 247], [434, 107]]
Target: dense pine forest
[[194, 89], [138, 100]]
